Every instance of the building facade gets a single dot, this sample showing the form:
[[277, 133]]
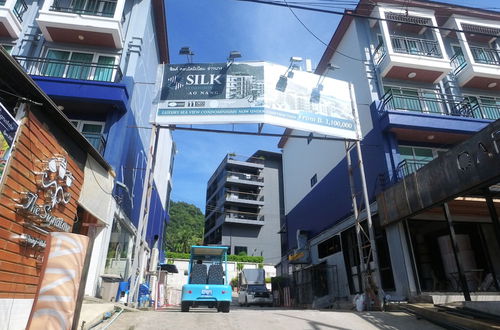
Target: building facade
[[426, 78], [244, 203], [98, 61]]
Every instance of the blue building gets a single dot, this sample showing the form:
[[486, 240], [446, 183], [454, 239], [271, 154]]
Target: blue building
[[426, 78], [98, 60]]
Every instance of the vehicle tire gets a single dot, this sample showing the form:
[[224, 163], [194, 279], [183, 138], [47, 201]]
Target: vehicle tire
[[185, 306], [225, 306]]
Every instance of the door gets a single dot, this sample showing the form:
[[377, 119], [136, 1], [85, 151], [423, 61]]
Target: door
[[55, 66], [80, 66], [104, 69]]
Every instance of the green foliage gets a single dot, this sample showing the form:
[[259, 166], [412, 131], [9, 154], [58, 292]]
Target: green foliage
[[268, 280], [185, 227], [234, 282], [242, 253], [239, 266], [261, 265], [257, 260]]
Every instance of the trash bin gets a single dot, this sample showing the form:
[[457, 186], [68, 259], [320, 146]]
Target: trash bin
[[109, 286], [122, 294]]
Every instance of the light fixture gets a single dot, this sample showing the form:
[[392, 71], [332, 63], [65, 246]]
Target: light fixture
[[412, 75], [492, 85], [316, 92], [188, 52], [81, 37], [430, 137], [234, 54], [283, 80]]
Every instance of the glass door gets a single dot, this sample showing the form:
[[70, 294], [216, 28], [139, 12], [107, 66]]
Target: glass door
[[55, 66], [104, 69], [80, 66]]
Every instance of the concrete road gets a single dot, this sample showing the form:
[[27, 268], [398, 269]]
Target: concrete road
[[266, 318]]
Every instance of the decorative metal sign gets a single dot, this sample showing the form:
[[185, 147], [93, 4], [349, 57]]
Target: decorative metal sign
[[55, 182], [33, 241]]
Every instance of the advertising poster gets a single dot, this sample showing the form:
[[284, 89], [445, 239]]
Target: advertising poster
[[256, 92], [8, 129]]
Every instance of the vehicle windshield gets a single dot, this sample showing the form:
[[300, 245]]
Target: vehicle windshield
[[257, 288]]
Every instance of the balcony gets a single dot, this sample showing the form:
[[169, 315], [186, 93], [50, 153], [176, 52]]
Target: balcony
[[244, 198], [482, 72], [247, 218], [407, 58], [87, 22], [97, 141], [244, 178], [11, 17], [37, 66]]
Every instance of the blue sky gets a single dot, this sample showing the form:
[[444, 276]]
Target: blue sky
[[212, 28]]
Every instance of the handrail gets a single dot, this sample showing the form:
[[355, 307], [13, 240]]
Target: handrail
[[485, 55], [416, 46], [458, 62], [19, 9], [102, 8], [406, 167], [38, 66], [379, 53]]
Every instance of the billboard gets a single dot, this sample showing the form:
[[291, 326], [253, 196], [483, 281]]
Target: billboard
[[8, 129], [256, 92], [63, 262]]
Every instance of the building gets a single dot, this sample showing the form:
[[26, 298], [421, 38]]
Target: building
[[98, 61], [426, 78], [244, 203], [47, 177]]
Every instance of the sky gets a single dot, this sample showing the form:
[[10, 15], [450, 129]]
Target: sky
[[213, 28]]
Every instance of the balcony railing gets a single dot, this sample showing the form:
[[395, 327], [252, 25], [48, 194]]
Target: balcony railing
[[407, 167], [441, 104], [415, 46], [19, 9], [458, 62], [37, 66], [97, 141], [244, 196], [485, 55], [2, 2], [102, 8], [244, 176], [244, 215], [255, 160]]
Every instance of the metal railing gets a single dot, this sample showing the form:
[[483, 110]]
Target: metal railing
[[458, 62], [407, 167], [485, 55], [97, 141], [255, 160], [379, 53], [244, 196], [415, 46], [38, 66], [102, 8], [244, 215], [244, 176], [484, 108], [19, 9], [427, 102], [2, 2]]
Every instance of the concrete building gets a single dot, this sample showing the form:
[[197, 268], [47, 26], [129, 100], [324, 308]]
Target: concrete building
[[244, 203], [426, 78], [98, 61]]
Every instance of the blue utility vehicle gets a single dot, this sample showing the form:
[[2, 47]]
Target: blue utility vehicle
[[208, 283]]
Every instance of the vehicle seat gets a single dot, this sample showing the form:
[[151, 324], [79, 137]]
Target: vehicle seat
[[199, 274], [215, 274]]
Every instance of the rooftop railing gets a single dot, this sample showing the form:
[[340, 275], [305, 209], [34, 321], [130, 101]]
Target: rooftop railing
[[102, 8], [38, 66], [415, 46]]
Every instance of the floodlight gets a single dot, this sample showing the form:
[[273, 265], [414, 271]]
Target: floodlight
[[281, 84], [188, 52], [295, 59], [234, 54]]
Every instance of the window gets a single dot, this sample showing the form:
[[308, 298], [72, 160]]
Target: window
[[240, 250], [79, 65], [93, 132], [310, 138], [314, 180], [329, 247], [416, 157]]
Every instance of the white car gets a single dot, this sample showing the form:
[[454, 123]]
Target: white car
[[255, 294]]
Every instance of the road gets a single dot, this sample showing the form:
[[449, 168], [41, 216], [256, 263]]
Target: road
[[267, 318]]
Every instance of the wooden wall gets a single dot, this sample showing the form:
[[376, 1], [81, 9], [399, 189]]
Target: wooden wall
[[20, 264]]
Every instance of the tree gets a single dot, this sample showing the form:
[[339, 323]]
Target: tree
[[185, 227]]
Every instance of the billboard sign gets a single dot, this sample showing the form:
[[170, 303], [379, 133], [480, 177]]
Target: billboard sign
[[8, 129], [256, 92]]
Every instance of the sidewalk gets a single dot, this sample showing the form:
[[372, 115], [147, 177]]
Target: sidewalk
[[95, 310]]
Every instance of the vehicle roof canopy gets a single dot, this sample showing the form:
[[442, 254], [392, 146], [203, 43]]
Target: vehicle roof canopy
[[208, 250]]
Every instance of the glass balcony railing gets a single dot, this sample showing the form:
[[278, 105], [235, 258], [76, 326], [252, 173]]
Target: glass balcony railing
[[244, 176], [102, 8], [415, 46], [96, 140], [485, 55], [70, 69], [431, 102]]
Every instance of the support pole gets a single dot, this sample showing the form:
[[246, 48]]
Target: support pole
[[361, 268], [140, 244], [493, 214], [454, 246]]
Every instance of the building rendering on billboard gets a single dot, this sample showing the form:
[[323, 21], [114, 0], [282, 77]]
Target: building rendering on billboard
[[256, 92]]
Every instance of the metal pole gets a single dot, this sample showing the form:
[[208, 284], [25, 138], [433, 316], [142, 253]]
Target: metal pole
[[493, 214], [369, 217], [362, 272], [454, 246], [142, 226]]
